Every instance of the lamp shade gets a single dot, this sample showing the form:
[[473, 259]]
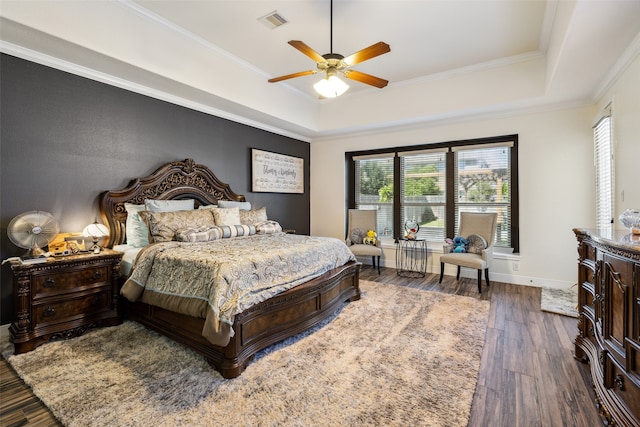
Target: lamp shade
[[331, 87], [95, 230]]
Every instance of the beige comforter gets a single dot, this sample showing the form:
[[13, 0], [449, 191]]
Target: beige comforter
[[217, 280]]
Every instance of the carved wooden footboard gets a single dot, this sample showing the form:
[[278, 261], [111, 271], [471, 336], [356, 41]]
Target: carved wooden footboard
[[269, 322]]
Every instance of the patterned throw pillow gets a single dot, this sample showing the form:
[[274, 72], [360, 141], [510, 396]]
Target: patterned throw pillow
[[163, 226], [207, 234], [476, 244], [267, 227], [253, 216], [226, 216], [357, 235]]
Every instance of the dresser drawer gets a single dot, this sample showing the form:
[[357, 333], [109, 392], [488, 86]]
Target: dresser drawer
[[65, 281], [623, 384], [60, 311]]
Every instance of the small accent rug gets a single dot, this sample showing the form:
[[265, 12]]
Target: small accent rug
[[398, 356], [560, 301]]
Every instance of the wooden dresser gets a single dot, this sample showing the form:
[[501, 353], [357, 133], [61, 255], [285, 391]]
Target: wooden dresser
[[609, 323], [63, 297]]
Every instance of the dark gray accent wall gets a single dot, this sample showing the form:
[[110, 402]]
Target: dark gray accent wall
[[64, 139]]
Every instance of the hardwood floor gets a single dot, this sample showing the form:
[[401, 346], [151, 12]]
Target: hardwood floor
[[528, 376]]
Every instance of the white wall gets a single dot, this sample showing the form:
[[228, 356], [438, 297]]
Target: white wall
[[625, 98], [557, 190], [556, 187]]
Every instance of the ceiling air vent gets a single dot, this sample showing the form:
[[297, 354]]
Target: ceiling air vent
[[273, 20]]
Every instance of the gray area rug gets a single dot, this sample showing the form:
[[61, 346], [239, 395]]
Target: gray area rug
[[560, 301], [397, 357]]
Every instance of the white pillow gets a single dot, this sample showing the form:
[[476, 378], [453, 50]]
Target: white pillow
[[169, 205], [226, 216], [136, 228], [244, 206]]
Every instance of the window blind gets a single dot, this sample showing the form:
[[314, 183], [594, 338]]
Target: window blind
[[374, 188], [482, 183], [603, 159], [423, 192]]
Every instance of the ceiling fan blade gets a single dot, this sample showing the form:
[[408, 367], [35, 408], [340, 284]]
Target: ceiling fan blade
[[291, 76], [365, 78], [367, 53], [302, 47]]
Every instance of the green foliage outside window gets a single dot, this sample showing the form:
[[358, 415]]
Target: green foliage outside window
[[372, 178], [416, 186]]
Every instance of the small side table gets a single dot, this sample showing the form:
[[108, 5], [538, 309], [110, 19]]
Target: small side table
[[411, 257], [63, 297]]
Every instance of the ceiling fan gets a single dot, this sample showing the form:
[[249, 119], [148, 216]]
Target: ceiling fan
[[333, 64]]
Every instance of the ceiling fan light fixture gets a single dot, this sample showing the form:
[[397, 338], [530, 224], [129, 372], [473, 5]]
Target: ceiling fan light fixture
[[331, 87]]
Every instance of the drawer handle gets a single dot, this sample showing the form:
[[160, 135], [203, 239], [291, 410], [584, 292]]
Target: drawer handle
[[619, 382], [49, 283], [97, 274], [49, 311]]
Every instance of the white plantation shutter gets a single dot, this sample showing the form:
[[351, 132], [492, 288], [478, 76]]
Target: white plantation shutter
[[603, 159]]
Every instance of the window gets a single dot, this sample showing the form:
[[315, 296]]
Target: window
[[423, 191], [482, 183], [374, 189], [432, 184], [603, 159]]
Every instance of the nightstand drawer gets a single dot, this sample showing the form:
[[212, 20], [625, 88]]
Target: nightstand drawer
[[59, 311], [65, 281]]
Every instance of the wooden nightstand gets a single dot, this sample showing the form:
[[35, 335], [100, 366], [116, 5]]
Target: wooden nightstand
[[63, 297]]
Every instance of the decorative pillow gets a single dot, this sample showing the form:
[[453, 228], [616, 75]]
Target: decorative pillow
[[267, 227], [208, 207], [476, 244], [196, 234], [237, 230], [169, 205], [357, 236], [164, 225], [226, 216], [136, 228], [253, 216], [207, 234], [243, 206]]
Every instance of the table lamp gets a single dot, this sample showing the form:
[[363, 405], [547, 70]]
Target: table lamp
[[96, 231]]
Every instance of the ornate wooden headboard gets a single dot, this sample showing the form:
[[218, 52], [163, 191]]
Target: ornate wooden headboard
[[176, 180]]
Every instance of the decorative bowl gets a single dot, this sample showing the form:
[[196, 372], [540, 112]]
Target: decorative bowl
[[411, 229], [631, 219]]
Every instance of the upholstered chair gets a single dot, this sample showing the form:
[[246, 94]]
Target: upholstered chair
[[478, 257], [359, 222]]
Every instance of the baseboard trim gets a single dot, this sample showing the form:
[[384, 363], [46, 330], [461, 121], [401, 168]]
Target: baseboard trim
[[472, 274]]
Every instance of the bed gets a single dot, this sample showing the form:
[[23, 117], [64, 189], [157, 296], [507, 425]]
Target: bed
[[302, 305]]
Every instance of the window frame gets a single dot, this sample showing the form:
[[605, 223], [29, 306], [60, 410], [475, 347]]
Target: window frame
[[450, 199]]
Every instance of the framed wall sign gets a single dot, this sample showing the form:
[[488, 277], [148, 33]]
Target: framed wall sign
[[276, 173]]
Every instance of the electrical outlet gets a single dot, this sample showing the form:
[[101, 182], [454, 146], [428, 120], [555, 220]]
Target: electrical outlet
[[516, 266]]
